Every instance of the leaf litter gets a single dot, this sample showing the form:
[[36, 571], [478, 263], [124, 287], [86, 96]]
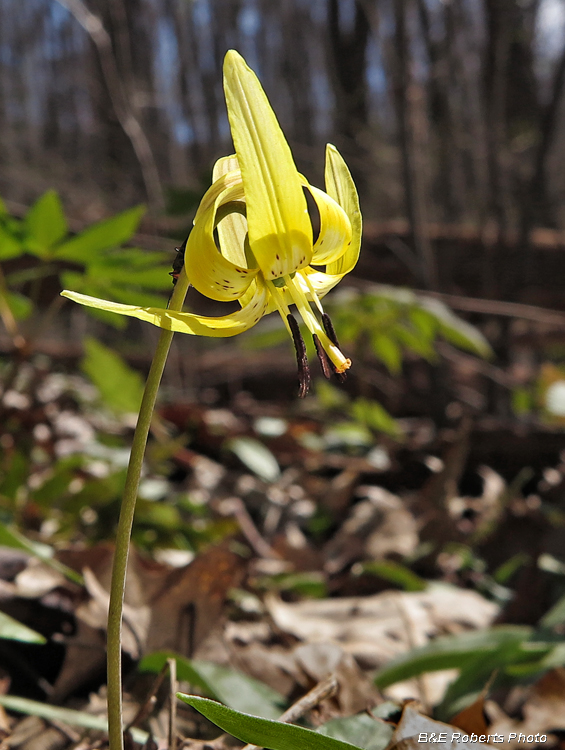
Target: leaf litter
[[311, 564]]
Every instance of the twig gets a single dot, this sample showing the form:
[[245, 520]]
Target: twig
[[147, 706], [260, 546]]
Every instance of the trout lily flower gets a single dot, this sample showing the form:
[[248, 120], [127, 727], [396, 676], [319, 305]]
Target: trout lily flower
[[252, 239]]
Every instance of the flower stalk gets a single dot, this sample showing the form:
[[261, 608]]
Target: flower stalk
[[127, 511]]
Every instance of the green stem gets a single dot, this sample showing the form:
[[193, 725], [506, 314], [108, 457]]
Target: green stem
[[123, 534]]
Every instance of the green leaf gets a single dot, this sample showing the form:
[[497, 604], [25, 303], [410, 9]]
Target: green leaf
[[123, 274], [121, 388], [329, 396], [240, 692], [456, 330], [510, 658], [450, 652], [45, 224], [394, 572], [16, 631], [12, 538], [86, 246], [10, 246], [388, 352], [65, 715], [306, 583], [554, 616], [273, 735], [256, 456], [414, 341], [361, 730], [20, 306], [186, 672], [236, 690], [375, 416]]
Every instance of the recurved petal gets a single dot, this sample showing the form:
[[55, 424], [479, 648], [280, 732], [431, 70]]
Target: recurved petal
[[334, 238], [207, 269], [232, 229], [280, 233], [197, 325], [340, 186], [225, 180]]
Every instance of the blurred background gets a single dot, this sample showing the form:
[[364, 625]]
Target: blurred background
[[449, 114]]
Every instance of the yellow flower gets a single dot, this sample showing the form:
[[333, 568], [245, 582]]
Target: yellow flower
[[252, 239]]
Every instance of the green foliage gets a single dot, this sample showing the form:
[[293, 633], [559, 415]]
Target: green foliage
[[13, 630], [256, 456], [396, 573], [64, 715], [388, 321], [273, 735], [509, 652], [233, 688], [364, 416], [12, 538], [361, 730], [92, 261], [121, 388]]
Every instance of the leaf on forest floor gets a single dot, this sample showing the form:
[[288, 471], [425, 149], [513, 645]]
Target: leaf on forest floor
[[234, 689], [273, 735], [13, 630], [378, 628], [65, 715], [415, 730], [542, 711]]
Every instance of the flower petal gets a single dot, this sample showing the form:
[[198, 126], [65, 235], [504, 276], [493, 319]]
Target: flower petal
[[207, 269], [232, 229], [198, 325], [335, 229], [340, 186], [280, 232]]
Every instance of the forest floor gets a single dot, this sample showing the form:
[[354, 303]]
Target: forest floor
[[281, 547]]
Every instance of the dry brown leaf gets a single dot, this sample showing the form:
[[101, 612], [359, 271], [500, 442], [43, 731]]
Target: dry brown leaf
[[472, 718], [416, 730], [165, 608], [543, 711], [374, 628]]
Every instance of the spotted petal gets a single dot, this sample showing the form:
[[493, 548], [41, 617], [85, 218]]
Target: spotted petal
[[207, 269], [198, 325]]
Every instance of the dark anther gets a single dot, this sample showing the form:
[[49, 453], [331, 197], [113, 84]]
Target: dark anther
[[325, 363], [178, 262], [329, 329], [331, 334], [301, 359]]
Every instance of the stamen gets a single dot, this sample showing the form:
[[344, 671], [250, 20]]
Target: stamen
[[329, 329], [325, 362], [331, 334], [301, 358], [301, 301]]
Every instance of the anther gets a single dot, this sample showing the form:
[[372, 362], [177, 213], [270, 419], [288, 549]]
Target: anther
[[329, 329], [325, 363], [301, 358], [331, 334]]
